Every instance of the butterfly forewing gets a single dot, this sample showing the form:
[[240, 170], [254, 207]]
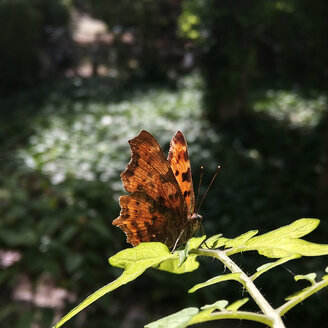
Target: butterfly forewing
[[178, 158]]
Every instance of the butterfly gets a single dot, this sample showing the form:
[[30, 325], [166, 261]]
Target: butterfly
[[161, 204]]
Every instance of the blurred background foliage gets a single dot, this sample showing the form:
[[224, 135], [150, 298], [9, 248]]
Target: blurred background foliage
[[246, 81]]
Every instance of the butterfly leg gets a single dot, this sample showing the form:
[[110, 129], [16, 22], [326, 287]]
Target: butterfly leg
[[176, 242], [204, 242]]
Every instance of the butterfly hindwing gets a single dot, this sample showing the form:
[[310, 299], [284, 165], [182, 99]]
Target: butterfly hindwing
[[139, 220]]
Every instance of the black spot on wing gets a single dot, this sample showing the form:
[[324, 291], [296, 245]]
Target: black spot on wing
[[186, 175], [186, 193]]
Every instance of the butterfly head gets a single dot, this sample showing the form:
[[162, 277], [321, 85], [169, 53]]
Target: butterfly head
[[195, 223], [196, 217]]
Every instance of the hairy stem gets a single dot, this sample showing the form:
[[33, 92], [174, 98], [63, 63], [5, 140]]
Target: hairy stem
[[263, 304]]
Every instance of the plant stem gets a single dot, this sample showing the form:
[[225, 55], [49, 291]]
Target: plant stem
[[302, 296], [263, 304], [240, 315]]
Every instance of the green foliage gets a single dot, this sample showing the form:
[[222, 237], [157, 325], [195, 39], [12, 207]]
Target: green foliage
[[134, 261], [63, 147], [267, 244], [282, 242], [189, 19]]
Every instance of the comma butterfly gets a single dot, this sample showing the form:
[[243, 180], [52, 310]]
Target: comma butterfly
[[161, 206]]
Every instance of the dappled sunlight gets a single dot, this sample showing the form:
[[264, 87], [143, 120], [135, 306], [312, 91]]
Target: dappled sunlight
[[90, 141], [291, 106]]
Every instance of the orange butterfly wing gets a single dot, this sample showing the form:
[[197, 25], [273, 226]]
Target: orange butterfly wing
[[156, 209], [178, 158]]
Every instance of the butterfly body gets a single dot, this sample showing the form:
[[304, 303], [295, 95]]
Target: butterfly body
[[192, 226], [161, 204]]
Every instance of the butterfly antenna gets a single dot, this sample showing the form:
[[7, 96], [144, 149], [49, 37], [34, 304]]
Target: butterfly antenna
[[199, 184], [208, 188]]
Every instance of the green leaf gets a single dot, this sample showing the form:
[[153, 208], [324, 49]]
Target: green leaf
[[293, 246], [284, 242], [192, 244], [144, 255], [215, 280], [297, 229], [310, 277], [268, 266], [212, 241], [177, 320], [186, 262], [241, 240], [218, 305], [234, 307], [195, 242], [173, 265], [135, 261]]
